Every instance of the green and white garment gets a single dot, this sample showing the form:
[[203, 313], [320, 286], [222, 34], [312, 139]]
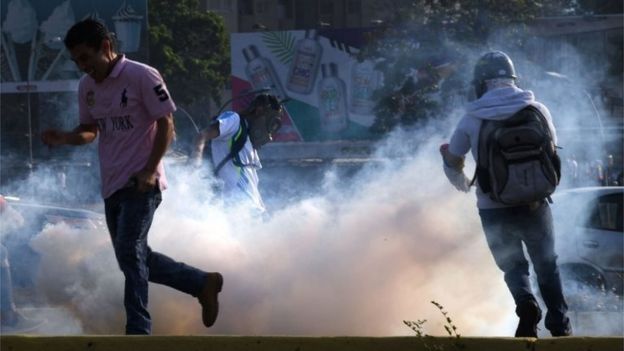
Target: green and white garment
[[240, 183]]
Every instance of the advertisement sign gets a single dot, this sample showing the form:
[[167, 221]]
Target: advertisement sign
[[328, 91], [33, 56]]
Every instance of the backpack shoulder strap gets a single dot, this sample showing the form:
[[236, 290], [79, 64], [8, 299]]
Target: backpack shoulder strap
[[479, 147], [239, 142], [552, 153], [486, 128]]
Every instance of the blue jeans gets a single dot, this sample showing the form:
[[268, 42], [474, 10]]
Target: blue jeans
[[129, 215], [505, 231]]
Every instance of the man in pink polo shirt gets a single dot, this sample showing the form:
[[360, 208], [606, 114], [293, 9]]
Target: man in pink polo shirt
[[127, 104]]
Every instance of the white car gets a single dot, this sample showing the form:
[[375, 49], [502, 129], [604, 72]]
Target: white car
[[589, 241], [16, 233]]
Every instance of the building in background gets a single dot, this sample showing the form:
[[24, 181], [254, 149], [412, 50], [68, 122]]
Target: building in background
[[583, 57], [274, 15], [592, 42]]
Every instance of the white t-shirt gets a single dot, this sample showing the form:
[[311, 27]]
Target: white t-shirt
[[239, 183]]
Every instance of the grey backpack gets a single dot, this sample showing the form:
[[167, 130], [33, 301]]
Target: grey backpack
[[517, 162]]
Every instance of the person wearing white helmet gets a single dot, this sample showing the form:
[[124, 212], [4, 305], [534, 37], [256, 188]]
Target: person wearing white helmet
[[512, 137]]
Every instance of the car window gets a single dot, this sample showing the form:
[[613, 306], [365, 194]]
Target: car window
[[607, 213]]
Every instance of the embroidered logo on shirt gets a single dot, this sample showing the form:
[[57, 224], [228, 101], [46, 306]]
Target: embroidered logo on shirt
[[124, 98], [90, 98]]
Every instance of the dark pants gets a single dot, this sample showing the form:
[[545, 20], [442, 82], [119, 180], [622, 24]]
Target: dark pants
[[505, 230], [129, 215]]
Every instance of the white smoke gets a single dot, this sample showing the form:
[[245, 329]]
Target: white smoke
[[570, 83], [356, 260], [354, 255]]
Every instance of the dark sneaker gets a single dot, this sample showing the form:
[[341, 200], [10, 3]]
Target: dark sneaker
[[565, 331], [208, 298], [530, 314], [559, 333]]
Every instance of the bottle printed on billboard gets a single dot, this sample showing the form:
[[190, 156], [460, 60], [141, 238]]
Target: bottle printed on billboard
[[261, 73], [330, 93], [304, 68], [332, 100], [364, 80]]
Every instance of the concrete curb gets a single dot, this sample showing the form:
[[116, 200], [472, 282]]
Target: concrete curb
[[277, 343]]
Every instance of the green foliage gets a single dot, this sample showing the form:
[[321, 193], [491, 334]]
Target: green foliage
[[451, 329], [281, 44], [420, 52], [428, 342], [417, 326], [580, 7], [421, 35], [190, 48]]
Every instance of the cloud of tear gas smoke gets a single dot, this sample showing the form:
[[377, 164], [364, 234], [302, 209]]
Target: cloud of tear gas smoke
[[55, 175], [64, 181], [355, 255], [78, 273], [357, 259], [571, 84]]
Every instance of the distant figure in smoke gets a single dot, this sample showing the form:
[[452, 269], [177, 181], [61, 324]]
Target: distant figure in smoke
[[572, 167], [11, 319], [611, 173], [235, 141], [598, 173], [507, 226], [127, 104]]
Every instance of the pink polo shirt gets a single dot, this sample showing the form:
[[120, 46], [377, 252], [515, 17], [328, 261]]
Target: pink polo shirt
[[125, 107]]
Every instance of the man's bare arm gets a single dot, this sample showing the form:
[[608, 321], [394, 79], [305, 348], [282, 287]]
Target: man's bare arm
[[82, 134], [209, 133], [164, 135], [146, 177], [454, 169]]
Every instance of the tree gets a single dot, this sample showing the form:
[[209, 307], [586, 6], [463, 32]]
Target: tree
[[421, 50], [581, 7], [190, 48]]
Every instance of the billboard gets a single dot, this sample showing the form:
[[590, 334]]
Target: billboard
[[32, 54], [328, 91]]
